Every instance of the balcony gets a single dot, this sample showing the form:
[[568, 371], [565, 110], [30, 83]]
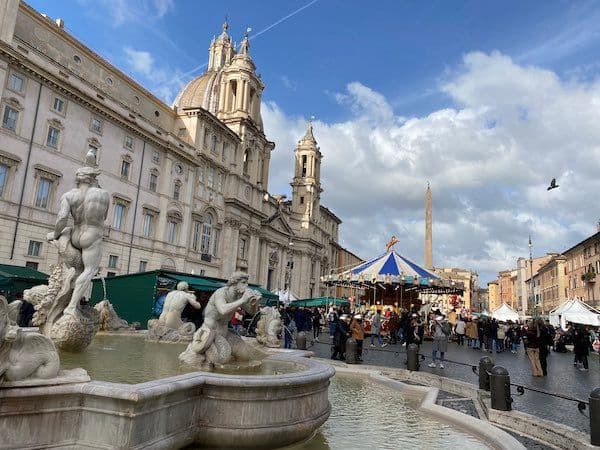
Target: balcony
[[589, 277]]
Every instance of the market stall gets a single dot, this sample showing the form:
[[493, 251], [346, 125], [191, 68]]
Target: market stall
[[505, 313], [574, 311]]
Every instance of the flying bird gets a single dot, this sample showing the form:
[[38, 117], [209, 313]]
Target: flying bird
[[553, 184]]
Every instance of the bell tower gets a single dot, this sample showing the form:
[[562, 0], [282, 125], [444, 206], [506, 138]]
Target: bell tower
[[306, 185], [221, 50]]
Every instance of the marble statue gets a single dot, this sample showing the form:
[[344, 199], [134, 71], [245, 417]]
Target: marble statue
[[24, 355], [213, 343], [63, 313], [268, 328], [169, 326], [14, 308], [109, 320]]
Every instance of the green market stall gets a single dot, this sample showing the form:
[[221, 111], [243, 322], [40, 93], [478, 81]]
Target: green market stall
[[15, 279], [138, 297]]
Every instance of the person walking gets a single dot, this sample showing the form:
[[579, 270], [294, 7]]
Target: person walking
[[316, 323], [332, 319], [460, 329], [358, 334], [532, 347], [581, 347], [340, 336], [545, 343], [376, 329], [441, 331]]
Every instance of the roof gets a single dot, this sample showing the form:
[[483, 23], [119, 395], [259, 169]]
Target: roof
[[593, 237], [197, 93], [20, 272]]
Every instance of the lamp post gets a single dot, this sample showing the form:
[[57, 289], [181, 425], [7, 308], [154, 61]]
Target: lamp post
[[534, 308]]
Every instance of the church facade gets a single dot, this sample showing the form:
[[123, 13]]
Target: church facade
[[189, 182]]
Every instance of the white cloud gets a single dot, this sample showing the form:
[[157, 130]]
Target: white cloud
[[489, 161], [124, 11], [165, 83]]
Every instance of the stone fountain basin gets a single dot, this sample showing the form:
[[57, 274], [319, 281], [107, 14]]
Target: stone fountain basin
[[205, 409]]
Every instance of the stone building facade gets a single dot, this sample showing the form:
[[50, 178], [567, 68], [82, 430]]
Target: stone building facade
[[581, 269], [526, 269], [189, 182], [494, 300], [551, 281]]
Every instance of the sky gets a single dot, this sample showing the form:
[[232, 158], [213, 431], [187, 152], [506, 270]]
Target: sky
[[486, 101]]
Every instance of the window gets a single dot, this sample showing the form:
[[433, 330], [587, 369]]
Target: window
[[181, 132], [242, 248], [148, 224], [119, 217], [196, 234], [94, 150], [35, 248], [53, 136], [113, 261], [207, 231], [58, 105], [213, 144], [224, 151], [172, 231], [142, 266], [96, 125], [302, 200], [9, 120], [31, 265], [42, 193], [125, 166], [153, 182], [128, 144], [156, 157], [246, 161], [303, 165], [220, 182], [210, 178], [176, 190], [16, 82], [3, 178], [110, 274], [201, 171]]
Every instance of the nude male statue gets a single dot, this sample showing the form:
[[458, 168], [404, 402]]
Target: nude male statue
[[214, 333], [88, 205], [175, 303]]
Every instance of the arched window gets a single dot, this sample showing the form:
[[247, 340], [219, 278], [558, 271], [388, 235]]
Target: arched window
[[207, 231], [246, 161]]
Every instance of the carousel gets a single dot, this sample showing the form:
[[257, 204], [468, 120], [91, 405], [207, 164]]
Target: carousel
[[390, 282]]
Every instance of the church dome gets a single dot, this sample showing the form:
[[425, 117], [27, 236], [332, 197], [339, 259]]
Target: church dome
[[201, 92]]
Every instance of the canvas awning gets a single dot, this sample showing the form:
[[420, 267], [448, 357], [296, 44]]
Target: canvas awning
[[505, 313], [15, 279], [197, 283], [320, 301]]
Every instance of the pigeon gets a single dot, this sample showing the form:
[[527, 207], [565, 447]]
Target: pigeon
[[552, 184]]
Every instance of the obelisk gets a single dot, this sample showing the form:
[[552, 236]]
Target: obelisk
[[428, 254]]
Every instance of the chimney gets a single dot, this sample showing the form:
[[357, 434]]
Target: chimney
[[60, 23]]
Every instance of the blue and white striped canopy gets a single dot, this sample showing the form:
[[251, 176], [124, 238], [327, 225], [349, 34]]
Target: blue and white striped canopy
[[390, 267]]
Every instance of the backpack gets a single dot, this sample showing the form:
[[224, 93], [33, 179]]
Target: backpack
[[447, 328]]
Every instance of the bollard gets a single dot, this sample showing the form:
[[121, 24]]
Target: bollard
[[500, 389], [301, 341], [485, 365], [595, 417], [412, 357], [351, 351]]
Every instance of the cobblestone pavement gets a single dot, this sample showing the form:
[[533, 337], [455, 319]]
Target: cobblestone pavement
[[562, 377]]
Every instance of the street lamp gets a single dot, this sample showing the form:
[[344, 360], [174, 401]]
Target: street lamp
[[531, 277]]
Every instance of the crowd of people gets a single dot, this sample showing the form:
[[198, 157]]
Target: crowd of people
[[383, 327]]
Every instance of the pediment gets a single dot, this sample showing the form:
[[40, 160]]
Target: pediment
[[279, 223]]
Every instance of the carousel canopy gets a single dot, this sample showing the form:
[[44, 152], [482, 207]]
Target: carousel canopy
[[389, 268]]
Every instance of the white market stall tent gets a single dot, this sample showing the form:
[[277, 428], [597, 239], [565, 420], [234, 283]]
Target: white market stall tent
[[575, 311], [286, 296], [505, 313]]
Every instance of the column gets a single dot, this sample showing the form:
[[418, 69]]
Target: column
[[253, 256], [246, 91], [263, 264], [222, 98], [239, 97], [230, 243]]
